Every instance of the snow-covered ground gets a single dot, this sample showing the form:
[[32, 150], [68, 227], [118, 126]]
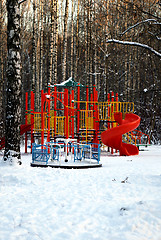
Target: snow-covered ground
[[119, 201]]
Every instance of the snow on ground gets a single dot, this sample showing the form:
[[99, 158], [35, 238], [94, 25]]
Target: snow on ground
[[120, 201]]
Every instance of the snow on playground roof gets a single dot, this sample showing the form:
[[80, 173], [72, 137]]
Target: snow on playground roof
[[69, 83]]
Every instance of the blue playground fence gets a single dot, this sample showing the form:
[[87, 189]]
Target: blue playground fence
[[88, 151], [40, 153]]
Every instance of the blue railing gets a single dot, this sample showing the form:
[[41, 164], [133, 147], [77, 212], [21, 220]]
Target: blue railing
[[87, 151], [40, 153]]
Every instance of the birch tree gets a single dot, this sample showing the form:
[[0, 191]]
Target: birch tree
[[13, 91], [51, 42], [1, 70], [55, 52], [33, 48], [41, 44], [64, 63], [72, 42]]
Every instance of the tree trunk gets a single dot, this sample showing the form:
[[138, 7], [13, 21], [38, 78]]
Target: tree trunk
[[13, 91], [41, 46], [77, 42], [51, 42], [72, 42], [64, 65], [1, 74], [33, 50], [55, 52]]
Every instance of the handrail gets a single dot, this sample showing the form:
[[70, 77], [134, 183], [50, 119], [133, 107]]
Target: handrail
[[139, 134]]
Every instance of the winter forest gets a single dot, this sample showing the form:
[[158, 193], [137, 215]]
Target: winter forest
[[113, 44]]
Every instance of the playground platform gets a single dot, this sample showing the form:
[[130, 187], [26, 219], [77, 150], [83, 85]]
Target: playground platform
[[69, 165]]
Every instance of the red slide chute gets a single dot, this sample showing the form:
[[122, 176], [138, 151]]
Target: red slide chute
[[113, 136]]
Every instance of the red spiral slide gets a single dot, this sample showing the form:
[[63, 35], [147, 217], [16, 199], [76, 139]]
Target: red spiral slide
[[23, 128], [113, 136]]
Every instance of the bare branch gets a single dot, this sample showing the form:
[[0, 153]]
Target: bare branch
[[134, 44], [137, 24], [21, 1], [146, 12], [154, 35]]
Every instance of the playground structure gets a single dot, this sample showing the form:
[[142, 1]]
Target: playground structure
[[73, 115], [64, 115]]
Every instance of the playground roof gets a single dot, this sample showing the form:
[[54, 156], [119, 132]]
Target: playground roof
[[69, 83]]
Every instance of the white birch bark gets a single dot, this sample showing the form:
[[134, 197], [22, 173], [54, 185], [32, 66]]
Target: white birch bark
[[41, 44], [64, 63], [1, 73], [33, 49], [72, 42], [55, 50], [13, 91], [77, 41]]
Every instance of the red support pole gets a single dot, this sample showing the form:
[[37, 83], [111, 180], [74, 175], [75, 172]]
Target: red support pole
[[116, 99], [91, 97], [116, 104], [32, 119], [42, 117], [78, 109], [97, 118], [87, 95], [26, 119], [72, 113], [112, 115], [66, 113], [108, 100], [109, 111], [86, 113], [26, 108], [94, 106], [55, 108], [48, 134], [96, 125], [112, 107]]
